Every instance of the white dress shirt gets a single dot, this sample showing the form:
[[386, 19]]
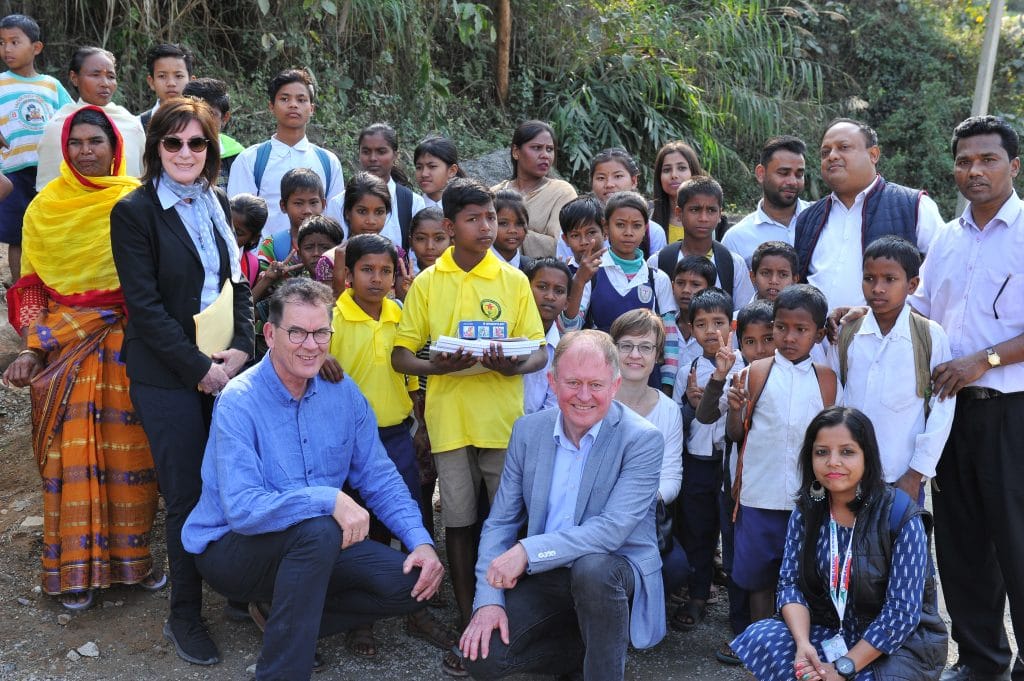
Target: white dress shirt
[[771, 460], [705, 438], [755, 228], [393, 227], [282, 159], [970, 276], [881, 381], [836, 265]]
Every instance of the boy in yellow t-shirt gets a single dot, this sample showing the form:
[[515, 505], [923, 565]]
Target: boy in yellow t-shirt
[[468, 292]]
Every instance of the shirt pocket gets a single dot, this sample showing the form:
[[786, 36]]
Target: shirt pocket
[[899, 385], [1006, 297]]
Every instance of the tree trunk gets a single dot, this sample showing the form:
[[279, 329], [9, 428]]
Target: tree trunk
[[504, 50]]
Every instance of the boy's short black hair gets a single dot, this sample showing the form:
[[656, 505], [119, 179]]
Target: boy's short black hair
[[702, 185], [788, 143], [300, 178], [369, 244], [754, 312], [321, 224], [803, 297], [776, 248], [550, 263], [987, 125], [896, 248], [579, 212], [700, 266], [626, 199], [25, 24], [711, 299], [163, 50], [290, 76], [462, 192], [212, 91]]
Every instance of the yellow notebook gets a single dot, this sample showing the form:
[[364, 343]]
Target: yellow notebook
[[215, 326]]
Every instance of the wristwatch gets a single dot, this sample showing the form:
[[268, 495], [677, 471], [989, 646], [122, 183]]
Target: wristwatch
[[846, 668], [993, 357]]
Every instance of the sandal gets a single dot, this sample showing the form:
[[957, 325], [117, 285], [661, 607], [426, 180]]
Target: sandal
[[689, 615], [360, 641], [726, 655], [259, 612], [422, 624], [153, 583], [712, 595], [680, 594], [77, 601], [451, 663]]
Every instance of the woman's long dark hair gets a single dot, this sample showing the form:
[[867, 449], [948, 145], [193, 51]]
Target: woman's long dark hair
[[662, 203], [872, 484]]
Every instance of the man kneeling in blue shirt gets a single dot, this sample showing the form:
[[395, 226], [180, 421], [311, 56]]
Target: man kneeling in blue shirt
[[272, 522]]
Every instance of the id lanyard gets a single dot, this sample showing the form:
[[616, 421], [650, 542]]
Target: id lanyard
[[839, 575]]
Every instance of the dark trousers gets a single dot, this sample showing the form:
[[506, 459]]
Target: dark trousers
[[739, 598], [702, 479], [315, 588], [565, 618], [177, 423], [979, 529], [398, 444]]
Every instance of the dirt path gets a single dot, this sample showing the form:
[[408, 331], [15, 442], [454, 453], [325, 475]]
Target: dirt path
[[37, 635]]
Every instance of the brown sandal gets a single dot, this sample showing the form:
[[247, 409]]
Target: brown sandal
[[422, 624], [360, 641]]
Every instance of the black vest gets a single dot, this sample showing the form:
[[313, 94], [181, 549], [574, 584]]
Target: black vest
[[888, 209]]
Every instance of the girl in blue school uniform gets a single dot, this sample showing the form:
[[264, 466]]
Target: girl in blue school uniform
[[624, 282]]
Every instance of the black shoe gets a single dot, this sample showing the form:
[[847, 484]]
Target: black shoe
[[236, 611], [192, 641], [962, 672]]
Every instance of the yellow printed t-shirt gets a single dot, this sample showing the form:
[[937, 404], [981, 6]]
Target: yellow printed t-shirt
[[362, 345], [473, 410]]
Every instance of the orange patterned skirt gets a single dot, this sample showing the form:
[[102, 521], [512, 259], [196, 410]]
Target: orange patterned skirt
[[99, 483]]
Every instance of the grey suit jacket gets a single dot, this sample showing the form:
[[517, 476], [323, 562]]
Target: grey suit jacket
[[614, 510]]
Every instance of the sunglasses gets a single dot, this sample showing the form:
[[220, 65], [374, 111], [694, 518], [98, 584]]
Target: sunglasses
[[195, 144]]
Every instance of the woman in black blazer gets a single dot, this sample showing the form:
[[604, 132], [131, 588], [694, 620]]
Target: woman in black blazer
[[174, 250]]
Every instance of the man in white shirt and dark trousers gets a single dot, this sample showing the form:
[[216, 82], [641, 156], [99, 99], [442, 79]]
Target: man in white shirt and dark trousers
[[258, 170], [972, 283], [832, 233]]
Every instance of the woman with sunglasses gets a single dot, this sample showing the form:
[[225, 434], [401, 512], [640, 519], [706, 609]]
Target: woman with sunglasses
[[99, 487], [175, 254]]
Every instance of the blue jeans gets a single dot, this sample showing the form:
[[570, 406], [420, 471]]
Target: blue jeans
[[316, 589], [563, 619]]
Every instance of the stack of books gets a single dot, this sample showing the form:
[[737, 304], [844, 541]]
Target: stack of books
[[517, 347]]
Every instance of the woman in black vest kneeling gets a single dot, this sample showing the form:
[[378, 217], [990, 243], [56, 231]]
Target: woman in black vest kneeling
[[856, 593]]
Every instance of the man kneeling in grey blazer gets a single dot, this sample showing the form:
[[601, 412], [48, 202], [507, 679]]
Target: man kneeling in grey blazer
[[586, 579]]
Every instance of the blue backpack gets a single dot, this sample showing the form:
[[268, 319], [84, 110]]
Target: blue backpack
[[263, 157]]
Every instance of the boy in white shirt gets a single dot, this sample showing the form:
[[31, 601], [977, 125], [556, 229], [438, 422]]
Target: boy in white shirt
[[884, 362], [258, 170]]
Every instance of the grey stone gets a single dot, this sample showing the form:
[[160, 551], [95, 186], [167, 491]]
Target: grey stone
[[63, 619], [32, 522], [73, 656], [89, 649], [491, 168]]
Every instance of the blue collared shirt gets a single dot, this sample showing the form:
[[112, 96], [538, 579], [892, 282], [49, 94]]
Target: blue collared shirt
[[273, 461], [203, 239], [566, 476]]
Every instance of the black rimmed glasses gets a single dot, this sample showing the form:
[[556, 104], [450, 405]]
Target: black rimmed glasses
[[320, 336], [195, 144]]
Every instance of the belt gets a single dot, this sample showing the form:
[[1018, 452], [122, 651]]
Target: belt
[[398, 427], [978, 393]]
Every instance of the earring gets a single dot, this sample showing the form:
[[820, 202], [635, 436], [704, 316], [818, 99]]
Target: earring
[[859, 494], [816, 491]]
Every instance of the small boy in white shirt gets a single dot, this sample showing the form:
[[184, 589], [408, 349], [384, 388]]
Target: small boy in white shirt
[[884, 362], [710, 313]]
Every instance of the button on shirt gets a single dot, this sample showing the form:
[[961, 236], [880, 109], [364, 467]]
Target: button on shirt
[[282, 159], [755, 228], [392, 227], [203, 239], [566, 476], [771, 459], [836, 265], [961, 280], [273, 461], [881, 381]]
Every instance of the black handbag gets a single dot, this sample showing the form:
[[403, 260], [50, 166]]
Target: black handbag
[[663, 526]]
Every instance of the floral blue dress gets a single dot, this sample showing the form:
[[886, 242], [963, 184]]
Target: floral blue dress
[[767, 647]]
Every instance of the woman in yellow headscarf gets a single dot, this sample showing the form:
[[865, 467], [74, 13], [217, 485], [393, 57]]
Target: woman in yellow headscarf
[[99, 484]]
